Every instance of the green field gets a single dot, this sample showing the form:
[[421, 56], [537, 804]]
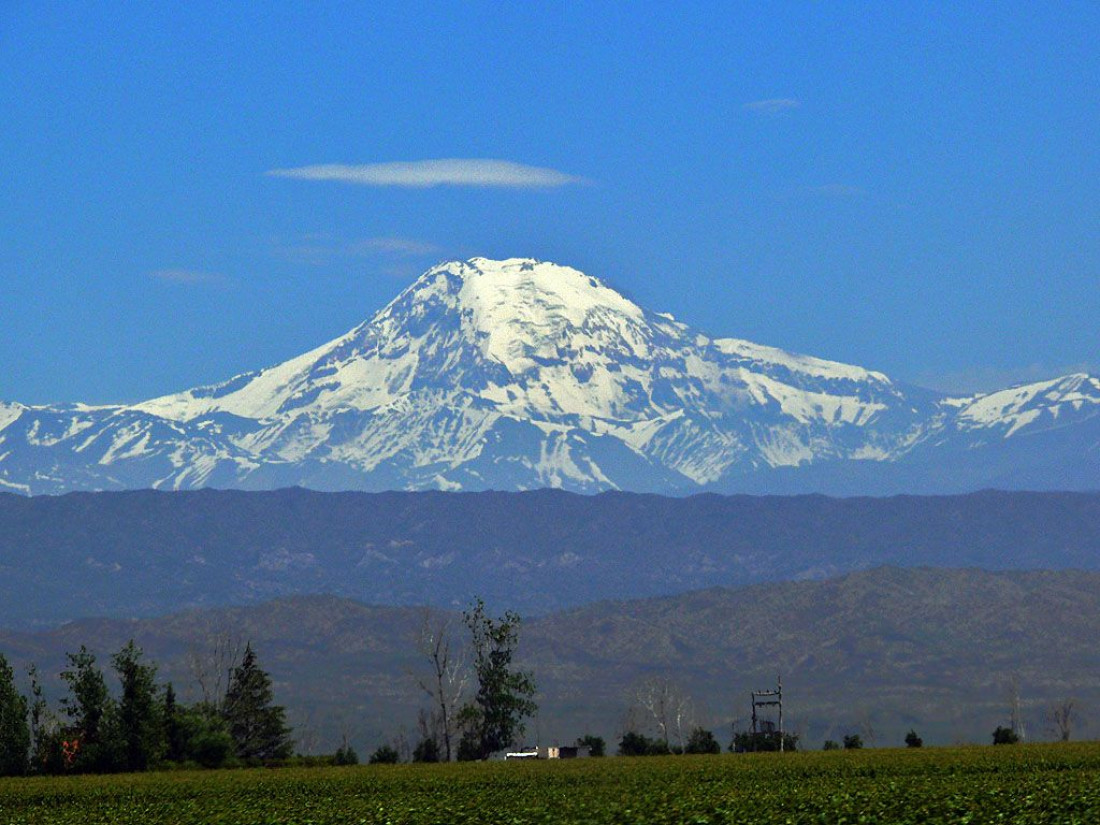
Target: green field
[[1032, 784]]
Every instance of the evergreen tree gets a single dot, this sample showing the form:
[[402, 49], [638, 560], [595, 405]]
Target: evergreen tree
[[504, 695], [175, 741], [258, 727], [141, 731], [15, 735]]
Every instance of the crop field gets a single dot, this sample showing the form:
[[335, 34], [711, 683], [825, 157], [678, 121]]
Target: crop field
[[1012, 784]]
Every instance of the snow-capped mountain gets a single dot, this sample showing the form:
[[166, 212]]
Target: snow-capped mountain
[[519, 374]]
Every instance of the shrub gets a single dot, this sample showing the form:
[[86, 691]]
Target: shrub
[[748, 742], [1005, 736], [634, 744], [912, 740], [853, 742], [385, 755], [595, 744], [345, 755], [831, 745], [702, 740], [426, 750], [469, 747]]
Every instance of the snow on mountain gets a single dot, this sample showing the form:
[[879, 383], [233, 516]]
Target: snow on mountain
[[1015, 408], [517, 374]]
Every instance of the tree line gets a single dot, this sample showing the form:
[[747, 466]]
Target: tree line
[[479, 701], [140, 725]]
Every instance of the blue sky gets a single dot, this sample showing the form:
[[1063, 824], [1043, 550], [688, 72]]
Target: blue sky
[[912, 189]]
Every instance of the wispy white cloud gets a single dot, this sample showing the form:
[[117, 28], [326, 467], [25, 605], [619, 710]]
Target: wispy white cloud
[[190, 277], [391, 246], [321, 247], [421, 174], [772, 106]]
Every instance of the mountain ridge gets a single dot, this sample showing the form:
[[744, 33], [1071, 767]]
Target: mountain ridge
[[880, 650], [142, 552], [520, 374]]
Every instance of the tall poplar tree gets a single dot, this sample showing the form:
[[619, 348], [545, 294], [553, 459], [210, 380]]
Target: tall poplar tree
[[139, 713], [15, 734], [505, 695], [90, 710]]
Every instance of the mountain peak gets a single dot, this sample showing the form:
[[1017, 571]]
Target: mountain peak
[[519, 311], [521, 373], [497, 290]]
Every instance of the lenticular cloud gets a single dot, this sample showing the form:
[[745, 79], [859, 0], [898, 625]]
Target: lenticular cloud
[[426, 173]]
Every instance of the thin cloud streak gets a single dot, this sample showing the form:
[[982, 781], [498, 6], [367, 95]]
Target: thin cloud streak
[[392, 246], [423, 174], [190, 277], [773, 106], [319, 248]]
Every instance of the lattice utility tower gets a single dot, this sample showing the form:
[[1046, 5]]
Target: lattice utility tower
[[768, 698]]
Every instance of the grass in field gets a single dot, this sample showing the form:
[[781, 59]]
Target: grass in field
[[1017, 784]]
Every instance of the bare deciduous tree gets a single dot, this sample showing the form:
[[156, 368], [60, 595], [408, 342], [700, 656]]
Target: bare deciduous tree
[[447, 681], [866, 724], [1064, 717], [212, 663], [1015, 714], [668, 706], [307, 736]]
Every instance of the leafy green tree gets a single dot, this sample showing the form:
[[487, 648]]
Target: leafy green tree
[[853, 742], [635, 744], [258, 727], [765, 740], [1005, 736], [831, 745], [346, 755], [912, 740], [702, 740], [469, 746], [88, 742], [494, 720], [140, 722], [15, 735], [595, 744], [205, 737], [426, 750], [385, 755]]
